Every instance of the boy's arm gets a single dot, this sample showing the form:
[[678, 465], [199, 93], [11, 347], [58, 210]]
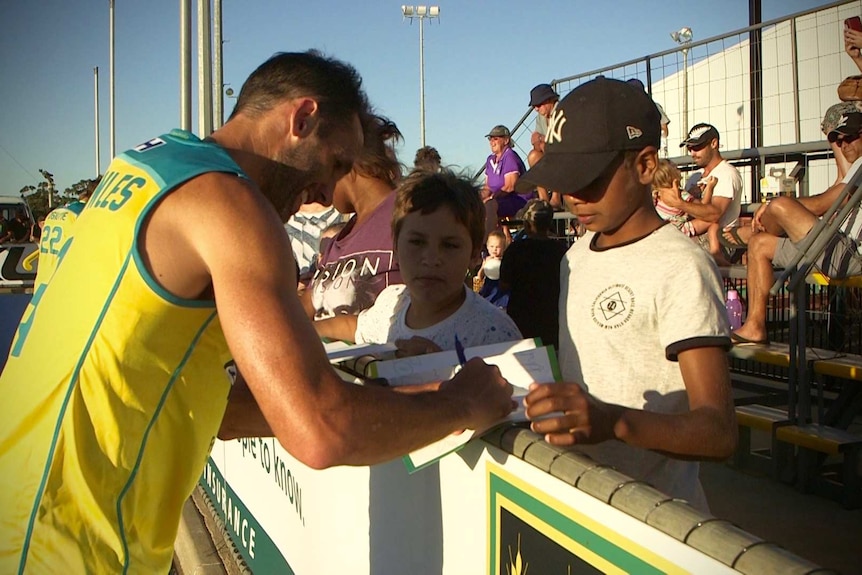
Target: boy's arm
[[706, 431], [341, 327]]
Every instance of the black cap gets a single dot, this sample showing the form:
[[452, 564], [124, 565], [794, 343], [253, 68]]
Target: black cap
[[849, 124], [699, 135], [590, 127], [541, 94]]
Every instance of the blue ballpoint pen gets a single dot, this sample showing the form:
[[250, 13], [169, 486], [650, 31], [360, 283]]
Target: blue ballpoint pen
[[459, 349]]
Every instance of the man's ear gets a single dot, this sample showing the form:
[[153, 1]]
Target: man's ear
[[646, 164], [305, 117]]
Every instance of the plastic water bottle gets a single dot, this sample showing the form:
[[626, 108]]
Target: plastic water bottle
[[734, 309]]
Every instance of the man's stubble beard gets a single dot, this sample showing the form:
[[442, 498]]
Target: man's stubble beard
[[288, 178]]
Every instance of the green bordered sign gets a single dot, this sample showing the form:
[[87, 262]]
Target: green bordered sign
[[533, 533], [254, 544]]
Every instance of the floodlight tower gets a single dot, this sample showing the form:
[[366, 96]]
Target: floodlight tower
[[683, 37], [421, 13]]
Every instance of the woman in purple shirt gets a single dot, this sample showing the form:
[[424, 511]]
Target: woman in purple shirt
[[502, 169]]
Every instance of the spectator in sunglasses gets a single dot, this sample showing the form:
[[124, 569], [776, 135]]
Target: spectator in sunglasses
[[703, 143], [780, 224]]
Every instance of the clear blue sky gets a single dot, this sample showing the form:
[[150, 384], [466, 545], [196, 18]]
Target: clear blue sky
[[481, 59]]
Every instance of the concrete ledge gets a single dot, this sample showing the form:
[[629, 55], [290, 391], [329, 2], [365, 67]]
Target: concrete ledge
[[203, 545], [715, 537], [194, 550]]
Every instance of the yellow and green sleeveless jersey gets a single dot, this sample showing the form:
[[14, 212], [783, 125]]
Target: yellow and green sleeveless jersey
[[56, 232], [113, 390]]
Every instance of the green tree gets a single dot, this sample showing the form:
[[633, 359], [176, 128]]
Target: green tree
[[71, 193], [37, 196]]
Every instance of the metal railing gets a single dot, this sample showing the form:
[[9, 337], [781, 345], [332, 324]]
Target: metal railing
[[764, 87]]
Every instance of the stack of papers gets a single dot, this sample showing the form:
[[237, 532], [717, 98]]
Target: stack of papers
[[521, 363]]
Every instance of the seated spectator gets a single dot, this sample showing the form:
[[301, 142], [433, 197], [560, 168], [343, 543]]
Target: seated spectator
[[530, 274], [360, 263], [781, 223], [438, 229], [502, 170], [489, 272], [702, 144], [427, 158], [543, 99], [830, 121]]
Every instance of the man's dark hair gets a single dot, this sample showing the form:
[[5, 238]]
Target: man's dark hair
[[377, 159], [335, 85], [425, 192]]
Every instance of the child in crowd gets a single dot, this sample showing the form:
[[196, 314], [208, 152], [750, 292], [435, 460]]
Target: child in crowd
[[643, 331], [438, 228], [489, 272], [668, 176]]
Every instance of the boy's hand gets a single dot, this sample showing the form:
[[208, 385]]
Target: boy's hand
[[566, 414], [415, 346], [483, 391]]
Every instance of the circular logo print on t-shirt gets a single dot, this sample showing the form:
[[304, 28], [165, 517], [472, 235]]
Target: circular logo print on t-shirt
[[614, 306]]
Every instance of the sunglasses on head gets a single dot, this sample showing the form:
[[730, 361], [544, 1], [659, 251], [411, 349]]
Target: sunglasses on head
[[841, 138]]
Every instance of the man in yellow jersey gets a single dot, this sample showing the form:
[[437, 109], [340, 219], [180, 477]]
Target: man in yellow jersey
[[58, 230], [116, 383]]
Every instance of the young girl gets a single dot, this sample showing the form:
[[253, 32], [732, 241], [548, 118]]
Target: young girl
[[438, 227], [489, 273], [668, 176]]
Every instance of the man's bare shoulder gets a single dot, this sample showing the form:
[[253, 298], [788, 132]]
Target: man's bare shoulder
[[210, 222]]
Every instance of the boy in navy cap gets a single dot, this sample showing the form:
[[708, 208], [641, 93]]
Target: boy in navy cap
[[643, 333]]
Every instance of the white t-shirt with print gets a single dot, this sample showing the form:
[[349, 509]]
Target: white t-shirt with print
[[477, 322], [625, 315]]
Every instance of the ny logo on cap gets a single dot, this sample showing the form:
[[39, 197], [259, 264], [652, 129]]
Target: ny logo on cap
[[555, 127], [633, 132]]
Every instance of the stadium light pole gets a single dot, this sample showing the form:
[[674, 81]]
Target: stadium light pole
[[683, 37], [96, 118], [112, 100], [421, 13]]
